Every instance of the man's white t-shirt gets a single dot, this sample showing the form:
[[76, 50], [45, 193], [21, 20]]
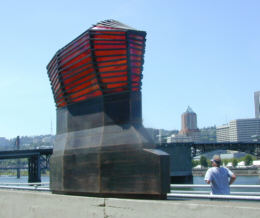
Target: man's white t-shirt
[[219, 179]]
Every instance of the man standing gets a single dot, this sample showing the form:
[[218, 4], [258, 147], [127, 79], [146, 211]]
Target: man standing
[[219, 177]]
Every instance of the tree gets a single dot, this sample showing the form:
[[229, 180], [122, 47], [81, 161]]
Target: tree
[[203, 161], [234, 162], [225, 161], [248, 160], [194, 163]]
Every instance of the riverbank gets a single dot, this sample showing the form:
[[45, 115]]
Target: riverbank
[[237, 171]]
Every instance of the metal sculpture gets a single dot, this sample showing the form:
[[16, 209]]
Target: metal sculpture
[[101, 147]]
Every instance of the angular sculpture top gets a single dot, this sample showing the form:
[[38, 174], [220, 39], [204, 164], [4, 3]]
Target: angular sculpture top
[[107, 58], [101, 146]]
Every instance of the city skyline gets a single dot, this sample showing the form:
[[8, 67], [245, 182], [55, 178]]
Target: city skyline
[[208, 58]]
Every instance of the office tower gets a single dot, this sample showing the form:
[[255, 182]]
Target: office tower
[[189, 122], [240, 130], [222, 133], [257, 104]]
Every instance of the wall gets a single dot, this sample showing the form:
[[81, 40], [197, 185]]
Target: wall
[[25, 204]]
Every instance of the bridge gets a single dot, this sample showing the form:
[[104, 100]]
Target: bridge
[[200, 148], [37, 159], [247, 147]]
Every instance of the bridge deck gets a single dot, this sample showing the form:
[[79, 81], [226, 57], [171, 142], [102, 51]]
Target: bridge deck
[[13, 154]]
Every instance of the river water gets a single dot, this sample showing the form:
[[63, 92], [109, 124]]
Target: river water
[[241, 180]]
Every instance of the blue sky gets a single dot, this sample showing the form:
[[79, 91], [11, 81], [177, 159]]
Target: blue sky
[[202, 53]]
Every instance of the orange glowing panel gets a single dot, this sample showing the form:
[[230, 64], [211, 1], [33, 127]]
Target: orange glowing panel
[[106, 59]]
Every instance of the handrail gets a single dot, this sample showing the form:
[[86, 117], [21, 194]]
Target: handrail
[[208, 186], [200, 194], [27, 184], [223, 197], [35, 188], [208, 192]]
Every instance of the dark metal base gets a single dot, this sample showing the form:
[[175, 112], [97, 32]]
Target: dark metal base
[[117, 171], [109, 195], [102, 148]]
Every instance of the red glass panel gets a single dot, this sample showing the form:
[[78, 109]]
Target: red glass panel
[[120, 37], [61, 104], [136, 70], [85, 91], [136, 46], [83, 61], [115, 79], [55, 83], [109, 46], [135, 78], [114, 62], [136, 41], [104, 75], [115, 90], [57, 87], [134, 84], [74, 53], [137, 58], [74, 59], [113, 68], [83, 86], [135, 63], [110, 58], [110, 52], [81, 66], [78, 76], [52, 71], [54, 76], [52, 66], [136, 37], [135, 89], [96, 42], [116, 85], [91, 95], [108, 32], [81, 80], [60, 99], [136, 52]]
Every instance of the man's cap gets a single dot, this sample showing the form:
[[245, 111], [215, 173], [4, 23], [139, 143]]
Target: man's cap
[[216, 158]]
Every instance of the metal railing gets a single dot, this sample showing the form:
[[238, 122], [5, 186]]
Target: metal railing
[[194, 191], [38, 186], [178, 191]]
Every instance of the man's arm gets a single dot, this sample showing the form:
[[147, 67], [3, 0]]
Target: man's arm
[[232, 179], [207, 176]]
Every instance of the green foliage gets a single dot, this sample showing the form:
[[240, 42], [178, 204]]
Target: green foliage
[[234, 162], [225, 162], [194, 163], [203, 161], [248, 160]]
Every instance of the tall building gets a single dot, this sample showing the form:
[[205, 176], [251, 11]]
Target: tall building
[[222, 133], [189, 122], [257, 104], [240, 130]]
